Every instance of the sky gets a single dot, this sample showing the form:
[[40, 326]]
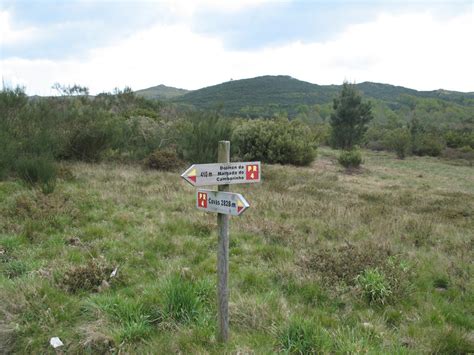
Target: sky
[[104, 44]]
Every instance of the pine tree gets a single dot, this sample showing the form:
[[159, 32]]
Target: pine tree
[[350, 118]]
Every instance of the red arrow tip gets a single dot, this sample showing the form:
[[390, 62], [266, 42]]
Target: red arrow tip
[[192, 178]]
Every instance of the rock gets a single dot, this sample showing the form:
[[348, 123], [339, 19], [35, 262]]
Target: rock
[[55, 342], [103, 286], [114, 273], [186, 273], [368, 325]]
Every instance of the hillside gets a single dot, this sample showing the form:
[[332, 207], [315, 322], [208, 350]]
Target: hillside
[[264, 95], [282, 91], [161, 92]]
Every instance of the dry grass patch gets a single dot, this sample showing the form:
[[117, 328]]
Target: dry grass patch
[[88, 277]]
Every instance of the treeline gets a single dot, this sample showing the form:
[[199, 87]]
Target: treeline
[[427, 127], [36, 133]]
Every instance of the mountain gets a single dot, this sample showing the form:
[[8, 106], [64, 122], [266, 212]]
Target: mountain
[[161, 92], [269, 94]]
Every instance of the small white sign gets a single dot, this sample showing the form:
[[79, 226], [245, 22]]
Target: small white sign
[[223, 173], [221, 202]]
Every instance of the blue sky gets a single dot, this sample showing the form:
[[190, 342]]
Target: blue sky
[[191, 44]]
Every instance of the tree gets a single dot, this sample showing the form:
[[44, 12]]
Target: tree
[[350, 118]]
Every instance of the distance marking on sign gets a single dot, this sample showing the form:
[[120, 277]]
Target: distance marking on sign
[[221, 202], [223, 173]]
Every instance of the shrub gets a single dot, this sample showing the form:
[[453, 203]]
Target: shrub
[[200, 135], [275, 141], [141, 135], [464, 153], [7, 154], [458, 139], [350, 158], [86, 144], [399, 140], [374, 285], [37, 171], [427, 144], [166, 159]]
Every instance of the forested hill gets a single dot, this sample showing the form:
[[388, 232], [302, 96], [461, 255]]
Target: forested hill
[[161, 92], [267, 95]]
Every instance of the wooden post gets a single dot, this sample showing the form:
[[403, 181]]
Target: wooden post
[[223, 156]]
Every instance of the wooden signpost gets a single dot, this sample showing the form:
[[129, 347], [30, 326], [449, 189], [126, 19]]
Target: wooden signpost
[[225, 203]]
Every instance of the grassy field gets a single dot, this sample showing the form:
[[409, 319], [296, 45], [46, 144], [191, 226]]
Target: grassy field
[[379, 260]]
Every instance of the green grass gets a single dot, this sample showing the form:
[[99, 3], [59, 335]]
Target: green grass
[[302, 261]]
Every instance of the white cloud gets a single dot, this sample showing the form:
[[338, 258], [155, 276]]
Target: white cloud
[[186, 8], [417, 51], [10, 35]]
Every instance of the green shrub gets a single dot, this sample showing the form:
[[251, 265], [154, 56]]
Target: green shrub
[[86, 144], [374, 285], [275, 141], [399, 140], [139, 136], [458, 139], [350, 158], [166, 159], [8, 153], [428, 144], [200, 134], [37, 171]]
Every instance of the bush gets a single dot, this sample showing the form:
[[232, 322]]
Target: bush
[[200, 135], [166, 159], [458, 139], [87, 144], [141, 136], [350, 159], [275, 141], [427, 144], [37, 171], [374, 285], [7, 154], [399, 140]]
